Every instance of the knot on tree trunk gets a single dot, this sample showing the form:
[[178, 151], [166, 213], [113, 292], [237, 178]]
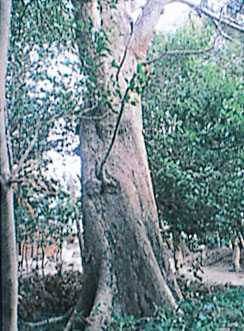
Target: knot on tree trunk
[[93, 187]]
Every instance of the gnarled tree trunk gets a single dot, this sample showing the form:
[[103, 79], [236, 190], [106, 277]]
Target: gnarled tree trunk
[[8, 241], [123, 255]]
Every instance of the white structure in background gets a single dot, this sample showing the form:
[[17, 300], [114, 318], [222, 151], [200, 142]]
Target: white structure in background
[[59, 72], [64, 163]]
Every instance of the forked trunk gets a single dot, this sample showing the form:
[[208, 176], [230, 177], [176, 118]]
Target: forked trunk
[[124, 254]]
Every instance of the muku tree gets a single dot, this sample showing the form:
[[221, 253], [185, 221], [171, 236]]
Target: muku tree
[[123, 255]]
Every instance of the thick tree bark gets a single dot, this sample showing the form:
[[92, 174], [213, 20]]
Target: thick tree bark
[[8, 241], [124, 255]]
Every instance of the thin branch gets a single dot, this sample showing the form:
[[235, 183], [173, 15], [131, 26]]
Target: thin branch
[[125, 53], [89, 109], [218, 26], [44, 20], [32, 144], [27, 152], [23, 14], [225, 35], [224, 20], [181, 52]]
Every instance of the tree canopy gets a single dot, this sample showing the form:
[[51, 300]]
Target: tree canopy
[[194, 128]]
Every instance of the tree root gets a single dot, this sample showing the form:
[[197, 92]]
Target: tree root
[[73, 315], [50, 320]]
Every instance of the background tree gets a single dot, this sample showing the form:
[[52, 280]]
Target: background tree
[[37, 95], [40, 110], [193, 115], [8, 241]]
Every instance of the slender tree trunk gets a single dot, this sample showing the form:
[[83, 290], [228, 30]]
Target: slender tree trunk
[[8, 241], [124, 254]]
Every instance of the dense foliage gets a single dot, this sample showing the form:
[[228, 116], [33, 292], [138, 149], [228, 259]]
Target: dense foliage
[[43, 85], [194, 130]]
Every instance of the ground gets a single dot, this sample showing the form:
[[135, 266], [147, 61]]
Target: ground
[[217, 269], [54, 292]]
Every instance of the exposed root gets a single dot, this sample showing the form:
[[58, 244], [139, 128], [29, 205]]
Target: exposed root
[[73, 315], [101, 311], [48, 320]]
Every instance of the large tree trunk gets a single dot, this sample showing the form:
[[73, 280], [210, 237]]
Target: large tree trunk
[[124, 254], [8, 241]]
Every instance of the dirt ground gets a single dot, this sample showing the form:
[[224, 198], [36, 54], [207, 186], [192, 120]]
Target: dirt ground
[[217, 269], [217, 275]]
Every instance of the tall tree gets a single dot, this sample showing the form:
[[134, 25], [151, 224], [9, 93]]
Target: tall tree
[[8, 241], [124, 256]]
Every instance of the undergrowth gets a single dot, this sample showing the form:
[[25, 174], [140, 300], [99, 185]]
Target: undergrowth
[[215, 308], [204, 308]]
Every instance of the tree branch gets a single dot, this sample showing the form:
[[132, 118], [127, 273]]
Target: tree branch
[[145, 26], [74, 314], [181, 52], [223, 20], [27, 152], [225, 35]]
